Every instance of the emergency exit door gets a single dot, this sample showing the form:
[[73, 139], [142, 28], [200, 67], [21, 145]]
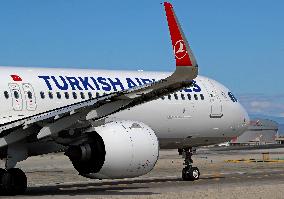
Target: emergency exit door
[[215, 100], [17, 100], [29, 97]]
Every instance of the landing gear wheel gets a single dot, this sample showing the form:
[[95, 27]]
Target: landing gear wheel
[[14, 182], [20, 183], [190, 173], [2, 172]]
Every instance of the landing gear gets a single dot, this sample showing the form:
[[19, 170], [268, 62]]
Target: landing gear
[[12, 182], [189, 173]]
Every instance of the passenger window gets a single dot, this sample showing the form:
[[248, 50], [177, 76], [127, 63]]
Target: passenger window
[[188, 96], [195, 97], [30, 95], [66, 95], [82, 95], [90, 95], [201, 96], [6, 94], [169, 97], [74, 95], [163, 97], [176, 96], [16, 94], [42, 95], [182, 96], [58, 95], [50, 94], [97, 95]]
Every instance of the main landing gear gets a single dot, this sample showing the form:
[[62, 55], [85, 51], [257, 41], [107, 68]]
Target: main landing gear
[[12, 181], [189, 173]]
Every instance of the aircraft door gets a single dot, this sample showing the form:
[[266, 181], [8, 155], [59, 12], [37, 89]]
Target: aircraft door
[[17, 101], [215, 101], [216, 106], [29, 97]]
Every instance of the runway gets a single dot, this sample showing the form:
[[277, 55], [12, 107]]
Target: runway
[[53, 176]]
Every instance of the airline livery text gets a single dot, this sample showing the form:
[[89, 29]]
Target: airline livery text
[[100, 83]]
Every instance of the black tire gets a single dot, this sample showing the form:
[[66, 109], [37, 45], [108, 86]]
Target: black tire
[[195, 173], [20, 185], [6, 182], [185, 174], [14, 182], [2, 172], [190, 173]]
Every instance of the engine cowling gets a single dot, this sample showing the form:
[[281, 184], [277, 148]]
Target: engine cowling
[[119, 149]]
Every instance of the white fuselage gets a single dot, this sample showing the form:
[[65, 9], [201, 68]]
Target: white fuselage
[[204, 114]]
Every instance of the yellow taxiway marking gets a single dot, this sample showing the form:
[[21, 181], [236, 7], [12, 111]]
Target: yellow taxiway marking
[[254, 161]]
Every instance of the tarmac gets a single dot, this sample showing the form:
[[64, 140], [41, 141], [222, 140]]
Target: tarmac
[[53, 176]]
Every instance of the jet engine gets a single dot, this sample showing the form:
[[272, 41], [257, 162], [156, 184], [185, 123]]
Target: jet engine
[[119, 149]]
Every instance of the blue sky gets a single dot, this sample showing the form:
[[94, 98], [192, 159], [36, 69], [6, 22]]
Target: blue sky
[[239, 43]]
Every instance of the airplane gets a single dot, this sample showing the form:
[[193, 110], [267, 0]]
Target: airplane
[[112, 124]]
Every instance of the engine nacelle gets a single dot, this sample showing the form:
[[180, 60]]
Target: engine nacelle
[[119, 149]]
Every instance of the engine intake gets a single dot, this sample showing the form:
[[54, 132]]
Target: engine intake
[[116, 150]]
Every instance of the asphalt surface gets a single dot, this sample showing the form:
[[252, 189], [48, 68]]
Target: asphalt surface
[[53, 176]]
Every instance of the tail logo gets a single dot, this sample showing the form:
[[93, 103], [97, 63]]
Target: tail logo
[[180, 49]]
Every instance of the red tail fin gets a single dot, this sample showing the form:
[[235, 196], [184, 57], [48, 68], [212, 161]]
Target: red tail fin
[[182, 51]]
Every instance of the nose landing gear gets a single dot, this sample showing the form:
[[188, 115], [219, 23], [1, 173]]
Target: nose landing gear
[[12, 182], [189, 173]]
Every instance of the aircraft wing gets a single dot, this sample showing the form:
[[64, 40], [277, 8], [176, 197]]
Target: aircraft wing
[[82, 113]]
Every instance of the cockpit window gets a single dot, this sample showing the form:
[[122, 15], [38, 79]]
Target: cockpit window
[[232, 97]]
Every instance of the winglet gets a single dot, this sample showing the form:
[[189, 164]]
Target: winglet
[[182, 51]]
